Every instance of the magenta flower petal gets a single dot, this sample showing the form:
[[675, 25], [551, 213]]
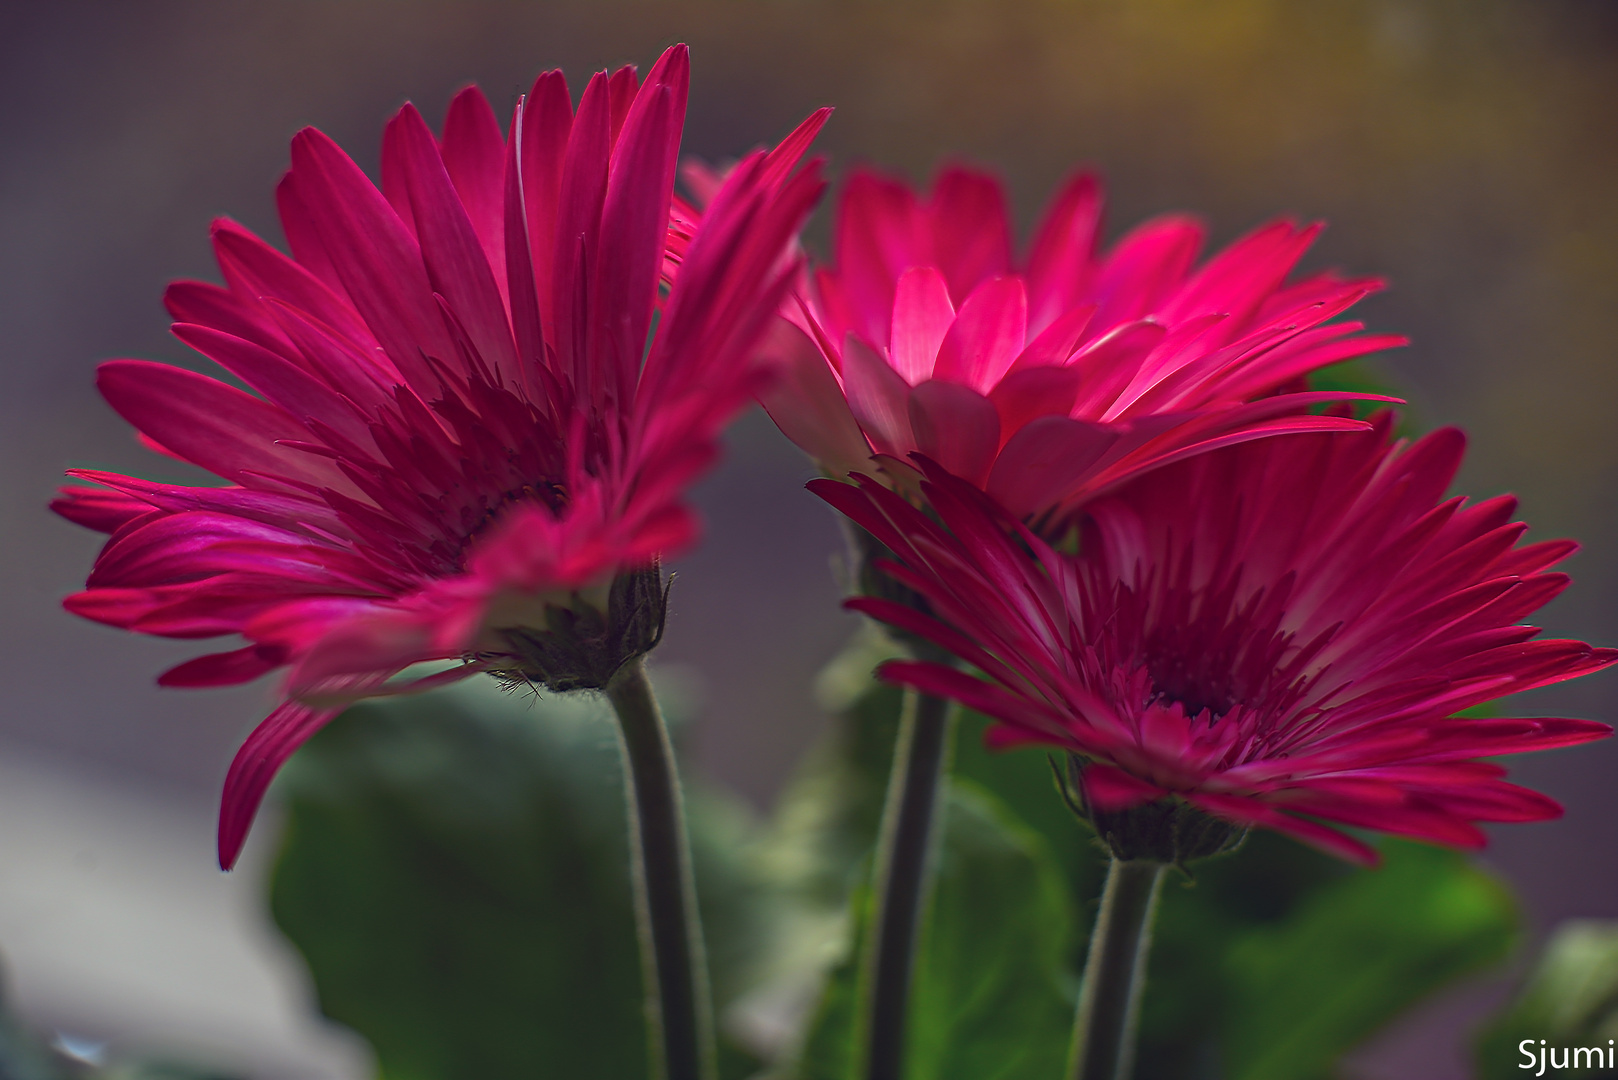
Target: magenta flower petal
[[956, 426], [1107, 788], [97, 508], [474, 153], [987, 335], [256, 764], [922, 316], [450, 425], [1278, 632], [224, 669], [1137, 341]]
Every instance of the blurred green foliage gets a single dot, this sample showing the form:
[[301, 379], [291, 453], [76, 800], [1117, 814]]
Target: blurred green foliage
[[1570, 999], [993, 994], [1347, 959], [455, 868], [456, 873], [1268, 963], [1368, 375]]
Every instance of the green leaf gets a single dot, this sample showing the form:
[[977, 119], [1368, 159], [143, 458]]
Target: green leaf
[[1275, 959], [1355, 954], [455, 872], [1023, 781], [1222, 982], [1570, 1000], [993, 996], [1367, 375], [1199, 919]]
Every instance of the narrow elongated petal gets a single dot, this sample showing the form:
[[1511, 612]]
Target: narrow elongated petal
[[457, 268], [922, 315], [224, 669], [545, 132], [226, 431], [634, 219], [578, 230], [987, 335], [1278, 632], [97, 508], [373, 255], [461, 415], [474, 155], [1136, 338], [256, 764]]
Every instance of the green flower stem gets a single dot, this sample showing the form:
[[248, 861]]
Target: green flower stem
[[1115, 973], [904, 852], [676, 969]]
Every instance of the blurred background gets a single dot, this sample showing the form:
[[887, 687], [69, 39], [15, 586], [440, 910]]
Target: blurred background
[[1463, 148]]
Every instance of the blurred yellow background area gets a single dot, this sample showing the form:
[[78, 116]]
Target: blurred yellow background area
[[1466, 149]]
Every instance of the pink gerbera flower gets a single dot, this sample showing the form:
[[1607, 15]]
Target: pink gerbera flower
[[1277, 634], [468, 440], [1048, 381]]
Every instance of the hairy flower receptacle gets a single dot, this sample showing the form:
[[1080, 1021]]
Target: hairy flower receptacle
[[1279, 634], [1168, 830], [466, 403], [581, 644]]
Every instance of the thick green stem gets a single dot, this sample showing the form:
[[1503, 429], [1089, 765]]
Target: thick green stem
[[1115, 973], [678, 1006], [903, 855]]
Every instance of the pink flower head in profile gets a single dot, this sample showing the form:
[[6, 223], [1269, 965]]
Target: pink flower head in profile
[[465, 427], [1048, 381], [1278, 634]]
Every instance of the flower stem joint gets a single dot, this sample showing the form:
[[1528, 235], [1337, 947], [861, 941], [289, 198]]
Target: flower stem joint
[[1165, 831], [581, 646]]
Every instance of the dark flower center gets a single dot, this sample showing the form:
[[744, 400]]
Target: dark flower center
[[1195, 680], [550, 495]]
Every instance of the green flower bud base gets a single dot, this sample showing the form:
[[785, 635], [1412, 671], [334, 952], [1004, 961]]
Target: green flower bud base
[[1169, 831], [582, 647]]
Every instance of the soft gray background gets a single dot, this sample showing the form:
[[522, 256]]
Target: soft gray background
[[1463, 148]]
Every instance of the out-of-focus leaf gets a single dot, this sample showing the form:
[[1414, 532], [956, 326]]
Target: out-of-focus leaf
[[1023, 781], [1199, 918], [826, 821], [993, 997], [1355, 954], [1367, 375], [455, 871], [1223, 938], [1570, 1000]]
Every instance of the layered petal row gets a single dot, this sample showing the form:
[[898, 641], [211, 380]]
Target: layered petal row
[[479, 388], [1049, 381], [1280, 633]]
